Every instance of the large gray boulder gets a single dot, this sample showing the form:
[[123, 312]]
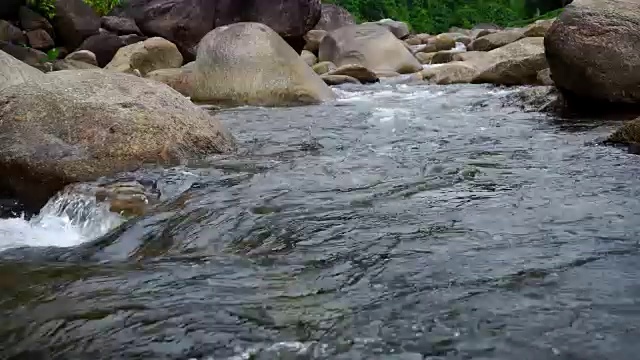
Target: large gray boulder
[[74, 21], [247, 63], [14, 71], [370, 45], [592, 50], [79, 125]]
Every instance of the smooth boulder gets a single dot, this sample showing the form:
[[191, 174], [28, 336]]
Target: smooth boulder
[[592, 51], [313, 39], [14, 71], [74, 21], [76, 126], [85, 56], [334, 17], [397, 28], [370, 45], [250, 64], [120, 25], [359, 72], [146, 56], [496, 40]]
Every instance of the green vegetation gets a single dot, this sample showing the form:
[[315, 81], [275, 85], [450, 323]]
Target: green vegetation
[[436, 16], [47, 8]]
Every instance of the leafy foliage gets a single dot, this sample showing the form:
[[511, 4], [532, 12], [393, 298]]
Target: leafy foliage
[[436, 16], [102, 7], [46, 8]]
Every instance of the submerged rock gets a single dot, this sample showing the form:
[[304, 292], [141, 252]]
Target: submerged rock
[[627, 134], [369, 45], [76, 126]]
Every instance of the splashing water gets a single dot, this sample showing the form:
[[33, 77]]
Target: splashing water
[[68, 219]]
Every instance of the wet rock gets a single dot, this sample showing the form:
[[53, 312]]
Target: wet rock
[[425, 58], [359, 72], [128, 198], [313, 39], [456, 72], [185, 23], [592, 51], [443, 42], [11, 33], [339, 79], [334, 17], [33, 57], [31, 20], [74, 21], [536, 99], [76, 126], [627, 134], [132, 39], [120, 25], [445, 56], [369, 45], [308, 57], [14, 71], [323, 67], [544, 77], [539, 28], [85, 56], [519, 71], [146, 56], [39, 39], [104, 46], [496, 40]]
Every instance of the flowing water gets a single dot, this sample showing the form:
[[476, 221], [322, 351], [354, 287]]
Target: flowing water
[[399, 222]]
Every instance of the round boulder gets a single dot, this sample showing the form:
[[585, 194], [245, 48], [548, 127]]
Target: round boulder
[[79, 125], [146, 56], [370, 45], [592, 51], [248, 63], [104, 46]]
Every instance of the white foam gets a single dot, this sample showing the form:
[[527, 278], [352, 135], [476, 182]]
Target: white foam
[[66, 220]]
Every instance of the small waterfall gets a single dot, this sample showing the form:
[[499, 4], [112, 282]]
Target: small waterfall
[[68, 219]]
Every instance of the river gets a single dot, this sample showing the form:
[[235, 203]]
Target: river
[[399, 222]]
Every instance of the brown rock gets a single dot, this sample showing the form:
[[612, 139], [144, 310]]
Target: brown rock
[[425, 58], [40, 39], [538, 28], [359, 72], [31, 20], [104, 46], [33, 57], [74, 22], [186, 22], [11, 33], [85, 56], [496, 40], [544, 77], [313, 39], [339, 79], [456, 72], [324, 67], [77, 126], [592, 51]]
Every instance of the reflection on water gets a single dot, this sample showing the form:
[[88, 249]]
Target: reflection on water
[[399, 222]]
